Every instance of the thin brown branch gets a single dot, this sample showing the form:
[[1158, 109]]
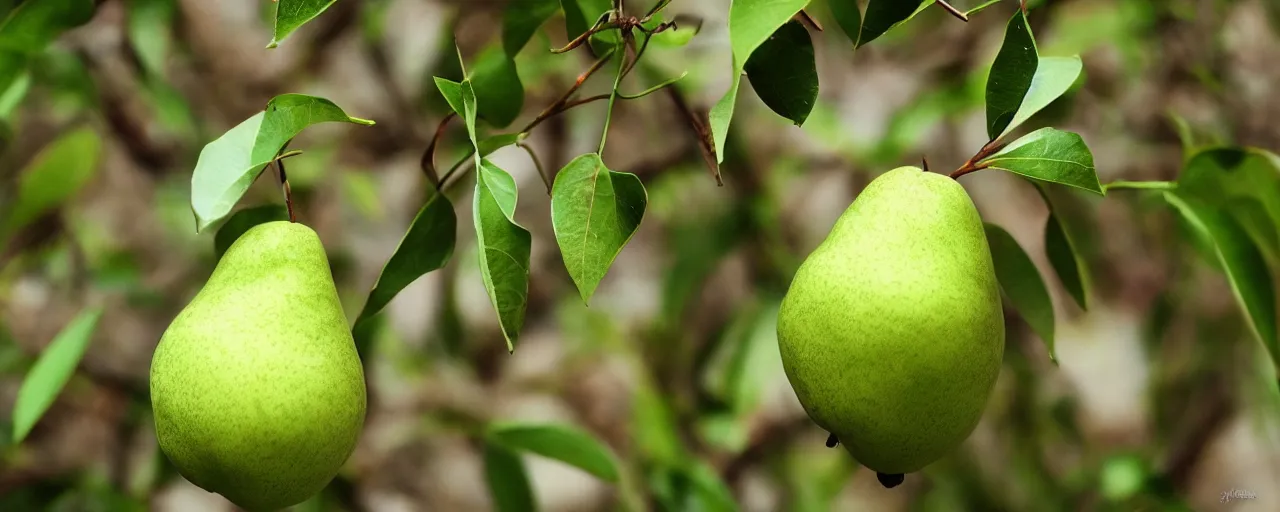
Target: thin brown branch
[[807, 19], [537, 164], [556, 107], [701, 130], [429, 156], [960, 15], [975, 163]]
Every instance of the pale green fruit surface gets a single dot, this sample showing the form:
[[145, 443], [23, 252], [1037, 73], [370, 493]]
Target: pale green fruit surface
[[892, 332], [256, 386]]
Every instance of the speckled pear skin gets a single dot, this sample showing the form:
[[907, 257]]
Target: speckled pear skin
[[257, 389], [892, 332]]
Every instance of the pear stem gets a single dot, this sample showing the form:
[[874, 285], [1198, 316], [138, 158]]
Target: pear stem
[[288, 191]]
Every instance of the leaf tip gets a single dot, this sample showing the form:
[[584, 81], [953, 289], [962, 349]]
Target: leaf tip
[[362, 122]]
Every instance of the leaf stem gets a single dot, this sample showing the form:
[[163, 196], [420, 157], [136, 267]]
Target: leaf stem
[[285, 188], [613, 98], [975, 163], [429, 156], [1140, 185]]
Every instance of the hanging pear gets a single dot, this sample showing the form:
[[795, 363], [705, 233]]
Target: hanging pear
[[892, 332], [257, 389]]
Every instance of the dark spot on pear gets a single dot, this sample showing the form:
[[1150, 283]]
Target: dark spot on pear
[[890, 481], [832, 442]]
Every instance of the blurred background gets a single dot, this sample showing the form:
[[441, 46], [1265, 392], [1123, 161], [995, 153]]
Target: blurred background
[[1162, 399]]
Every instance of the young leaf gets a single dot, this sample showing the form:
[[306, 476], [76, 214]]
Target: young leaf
[[499, 93], [245, 220], [57, 173], [1054, 75], [848, 16], [594, 212], [558, 442], [1011, 75], [751, 22], [426, 246], [291, 14], [1022, 284], [1049, 155], [504, 248], [51, 372], [452, 92], [883, 15], [521, 20], [1243, 263], [34, 24], [784, 74], [508, 481], [228, 165]]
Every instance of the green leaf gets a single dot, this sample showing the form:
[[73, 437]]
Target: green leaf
[[1053, 77], [499, 93], [1022, 284], [291, 14], [784, 74], [849, 16], [1069, 266], [491, 144], [12, 97], [1245, 182], [883, 15], [508, 481], [51, 372], [452, 92], [751, 22], [674, 37], [504, 248], [426, 246], [228, 165], [1244, 264], [149, 25], [1049, 155], [558, 442], [594, 212], [521, 20], [1011, 75], [243, 221], [36, 23], [56, 174]]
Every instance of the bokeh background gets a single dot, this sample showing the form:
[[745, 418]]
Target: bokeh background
[[1161, 399]]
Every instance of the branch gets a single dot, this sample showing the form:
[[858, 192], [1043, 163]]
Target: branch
[[954, 12], [974, 164]]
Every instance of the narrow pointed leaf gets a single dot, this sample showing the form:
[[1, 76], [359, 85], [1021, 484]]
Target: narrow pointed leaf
[[1053, 77], [1245, 183], [595, 212], [1243, 263], [1011, 75], [499, 93], [751, 22], [849, 16], [56, 174], [508, 480], [1022, 284], [51, 372], [1052, 156], [426, 247], [1066, 262], [784, 74], [452, 92], [243, 221], [883, 15], [291, 14], [521, 20], [504, 248], [228, 165], [558, 442], [33, 25]]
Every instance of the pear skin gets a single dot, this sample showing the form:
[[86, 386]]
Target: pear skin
[[892, 332], [257, 389]]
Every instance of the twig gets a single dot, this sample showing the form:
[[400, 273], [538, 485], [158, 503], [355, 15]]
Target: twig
[[810, 20], [601, 25], [288, 191], [537, 164], [701, 130], [554, 108], [429, 156], [954, 12], [613, 96], [975, 163]]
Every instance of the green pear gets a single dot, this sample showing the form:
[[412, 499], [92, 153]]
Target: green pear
[[892, 332], [257, 389]]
